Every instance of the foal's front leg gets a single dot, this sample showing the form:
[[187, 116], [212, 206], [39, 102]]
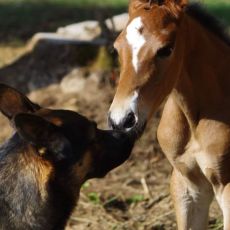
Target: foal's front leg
[[222, 193], [224, 201], [191, 201]]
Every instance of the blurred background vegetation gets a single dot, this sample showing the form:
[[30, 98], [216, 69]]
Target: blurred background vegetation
[[20, 19]]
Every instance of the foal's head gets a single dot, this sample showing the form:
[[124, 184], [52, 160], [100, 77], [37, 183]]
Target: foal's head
[[148, 58]]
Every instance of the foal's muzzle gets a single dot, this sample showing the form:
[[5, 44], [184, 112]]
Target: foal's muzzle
[[125, 125], [130, 124]]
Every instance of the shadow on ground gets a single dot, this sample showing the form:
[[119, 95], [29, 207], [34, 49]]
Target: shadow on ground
[[48, 63]]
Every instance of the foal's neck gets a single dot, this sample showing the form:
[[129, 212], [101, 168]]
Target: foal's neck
[[204, 82]]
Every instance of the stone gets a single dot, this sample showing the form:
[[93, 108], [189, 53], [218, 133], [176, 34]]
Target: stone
[[74, 82], [117, 23], [85, 31]]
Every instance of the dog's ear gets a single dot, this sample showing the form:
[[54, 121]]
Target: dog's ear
[[49, 140], [13, 102]]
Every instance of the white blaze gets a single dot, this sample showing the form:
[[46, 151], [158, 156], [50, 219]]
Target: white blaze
[[135, 39], [133, 103]]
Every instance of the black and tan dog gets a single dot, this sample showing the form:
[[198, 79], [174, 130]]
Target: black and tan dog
[[43, 165]]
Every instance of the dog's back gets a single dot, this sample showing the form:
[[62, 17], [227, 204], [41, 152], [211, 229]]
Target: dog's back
[[25, 196]]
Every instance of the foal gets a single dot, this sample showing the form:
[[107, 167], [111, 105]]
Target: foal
[[173, 49], [51, 154]]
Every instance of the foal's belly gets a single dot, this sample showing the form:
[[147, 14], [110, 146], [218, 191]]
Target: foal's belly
[[204, 153], [214, 145]]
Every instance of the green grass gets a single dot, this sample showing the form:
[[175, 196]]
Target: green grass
[[216, 225], [220, 8], [20, 19]]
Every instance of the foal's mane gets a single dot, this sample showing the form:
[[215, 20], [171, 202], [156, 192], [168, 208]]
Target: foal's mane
[[207, 20]]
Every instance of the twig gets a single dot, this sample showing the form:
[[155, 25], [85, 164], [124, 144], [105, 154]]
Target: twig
[[156, 200], [83, 220], [145, 187]]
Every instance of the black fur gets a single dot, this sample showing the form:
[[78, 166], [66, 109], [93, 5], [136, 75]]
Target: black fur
[[44, 164]]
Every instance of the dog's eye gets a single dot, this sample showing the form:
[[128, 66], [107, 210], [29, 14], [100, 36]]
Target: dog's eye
[[165, 51]]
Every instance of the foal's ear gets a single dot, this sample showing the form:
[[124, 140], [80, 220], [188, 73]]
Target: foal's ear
[[49, 140], [13, 102], [181, 3], [177, 5]]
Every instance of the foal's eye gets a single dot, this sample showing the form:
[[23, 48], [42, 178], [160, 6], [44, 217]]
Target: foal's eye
[[165, 51]]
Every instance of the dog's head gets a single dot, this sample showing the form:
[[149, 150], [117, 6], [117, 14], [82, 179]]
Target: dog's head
[[67, 140]]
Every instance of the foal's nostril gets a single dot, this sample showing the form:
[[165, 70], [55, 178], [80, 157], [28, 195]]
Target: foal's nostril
[[129, 121]]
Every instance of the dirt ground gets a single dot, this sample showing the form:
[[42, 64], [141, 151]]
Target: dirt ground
[[134, 196]]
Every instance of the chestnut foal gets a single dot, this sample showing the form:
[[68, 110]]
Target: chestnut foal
[[43, 165], [174, 49]]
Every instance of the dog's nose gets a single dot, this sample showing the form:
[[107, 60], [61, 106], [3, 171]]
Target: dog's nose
[[128, 122]]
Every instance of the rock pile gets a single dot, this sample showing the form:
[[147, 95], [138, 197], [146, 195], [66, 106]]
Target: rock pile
[[50, 57], [87, 31]]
